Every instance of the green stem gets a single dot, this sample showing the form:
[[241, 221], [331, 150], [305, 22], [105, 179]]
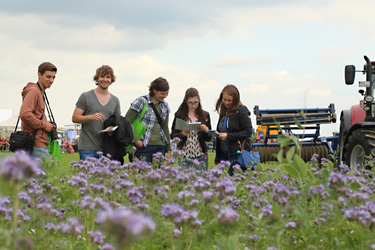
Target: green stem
[[15, 207]]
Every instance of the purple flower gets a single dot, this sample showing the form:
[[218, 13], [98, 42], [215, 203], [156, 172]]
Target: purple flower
[[45, 208], [72, 227], [186, 217], [193, 203], [153, 177], [208, 196], [336, 180], [171, 210], [108, 246], [124, 184], [266, 210], [88, 202], [77, 181], [255, 191], [290, 225], [237, 169], [182, 178], [225, 188], [223, 164], [176, 233], [96, 237], [18, 167], [175, 140], [227, 216], [124, 224], [5, 201], [182, 195], [134, 195], [315, 190], [50, 226]]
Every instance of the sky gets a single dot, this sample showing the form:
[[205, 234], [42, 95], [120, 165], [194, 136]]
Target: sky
[[280, 54]]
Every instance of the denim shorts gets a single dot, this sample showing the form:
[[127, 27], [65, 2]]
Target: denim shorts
[[84, 153]]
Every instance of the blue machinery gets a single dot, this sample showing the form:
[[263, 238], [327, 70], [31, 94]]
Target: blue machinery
[[310, 139]]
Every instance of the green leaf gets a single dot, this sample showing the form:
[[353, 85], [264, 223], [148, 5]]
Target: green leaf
[[299, 164], [276, 208], [355, 186], [325, 175], [290, 153], [260, 167], [301, 214], [330, 166], [284, 140], [298, 124], [292, 171], [280, 156]]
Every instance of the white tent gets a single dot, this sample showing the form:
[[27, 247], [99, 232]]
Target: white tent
[[10, 123]]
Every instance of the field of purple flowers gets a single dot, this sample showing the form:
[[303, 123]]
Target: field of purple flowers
[[100, 204]]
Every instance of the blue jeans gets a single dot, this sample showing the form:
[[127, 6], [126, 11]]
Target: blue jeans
[[186, 162], [233, 161], [41, 153], [84, 153], [146, 153]]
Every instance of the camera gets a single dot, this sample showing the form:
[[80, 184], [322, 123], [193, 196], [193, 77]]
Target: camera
[[53, 133]]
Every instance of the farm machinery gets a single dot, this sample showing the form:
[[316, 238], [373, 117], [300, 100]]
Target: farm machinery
[[304, 123], [353, 145], [357, 125]]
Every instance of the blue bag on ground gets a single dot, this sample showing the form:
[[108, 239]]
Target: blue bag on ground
[[248, 158]]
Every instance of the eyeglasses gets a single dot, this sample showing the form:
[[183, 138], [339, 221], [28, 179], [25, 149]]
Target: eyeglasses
[[192, 103]]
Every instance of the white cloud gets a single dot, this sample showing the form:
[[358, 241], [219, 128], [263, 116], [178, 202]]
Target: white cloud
[[227, 60]]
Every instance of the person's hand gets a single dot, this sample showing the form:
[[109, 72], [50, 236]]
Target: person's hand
[[50, 127], [139, 144], [185, 132], [203, 127], [110, 133], [222, 136], [97, 117]]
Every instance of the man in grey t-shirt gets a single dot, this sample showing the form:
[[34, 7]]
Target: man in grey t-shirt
[[92, 108]]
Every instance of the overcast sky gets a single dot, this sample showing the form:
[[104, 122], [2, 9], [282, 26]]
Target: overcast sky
[[280, 54]]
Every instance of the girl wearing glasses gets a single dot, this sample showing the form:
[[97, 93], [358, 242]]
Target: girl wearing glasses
[[234, 126], [193, 142]]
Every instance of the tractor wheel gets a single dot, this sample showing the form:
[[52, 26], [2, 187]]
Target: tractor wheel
[[361, 143]]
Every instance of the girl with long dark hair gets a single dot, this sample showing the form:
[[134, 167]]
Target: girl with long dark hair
[[193, 142]]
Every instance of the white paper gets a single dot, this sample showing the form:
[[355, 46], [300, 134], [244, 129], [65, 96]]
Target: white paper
[[108, 130], [213, 132], [183, 125]]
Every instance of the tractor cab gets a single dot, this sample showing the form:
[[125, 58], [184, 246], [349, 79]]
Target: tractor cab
[[367, 103]]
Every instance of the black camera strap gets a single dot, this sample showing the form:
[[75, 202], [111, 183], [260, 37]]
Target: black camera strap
[[48, 108]]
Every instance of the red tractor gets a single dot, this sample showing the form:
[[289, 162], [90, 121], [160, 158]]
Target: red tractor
[[357, 125]]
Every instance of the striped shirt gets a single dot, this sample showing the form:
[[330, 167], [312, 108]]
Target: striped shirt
[[149, 119]]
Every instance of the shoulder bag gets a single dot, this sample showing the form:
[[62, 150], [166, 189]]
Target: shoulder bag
[[138, 127], [248, 158], [22, 140]]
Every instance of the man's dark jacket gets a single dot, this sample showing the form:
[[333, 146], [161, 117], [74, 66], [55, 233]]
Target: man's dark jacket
[[123, 136]]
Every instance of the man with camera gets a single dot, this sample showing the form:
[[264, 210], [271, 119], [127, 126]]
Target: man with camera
[[33, 107]]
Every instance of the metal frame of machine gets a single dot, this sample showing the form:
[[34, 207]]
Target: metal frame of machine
[[310, 120]]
